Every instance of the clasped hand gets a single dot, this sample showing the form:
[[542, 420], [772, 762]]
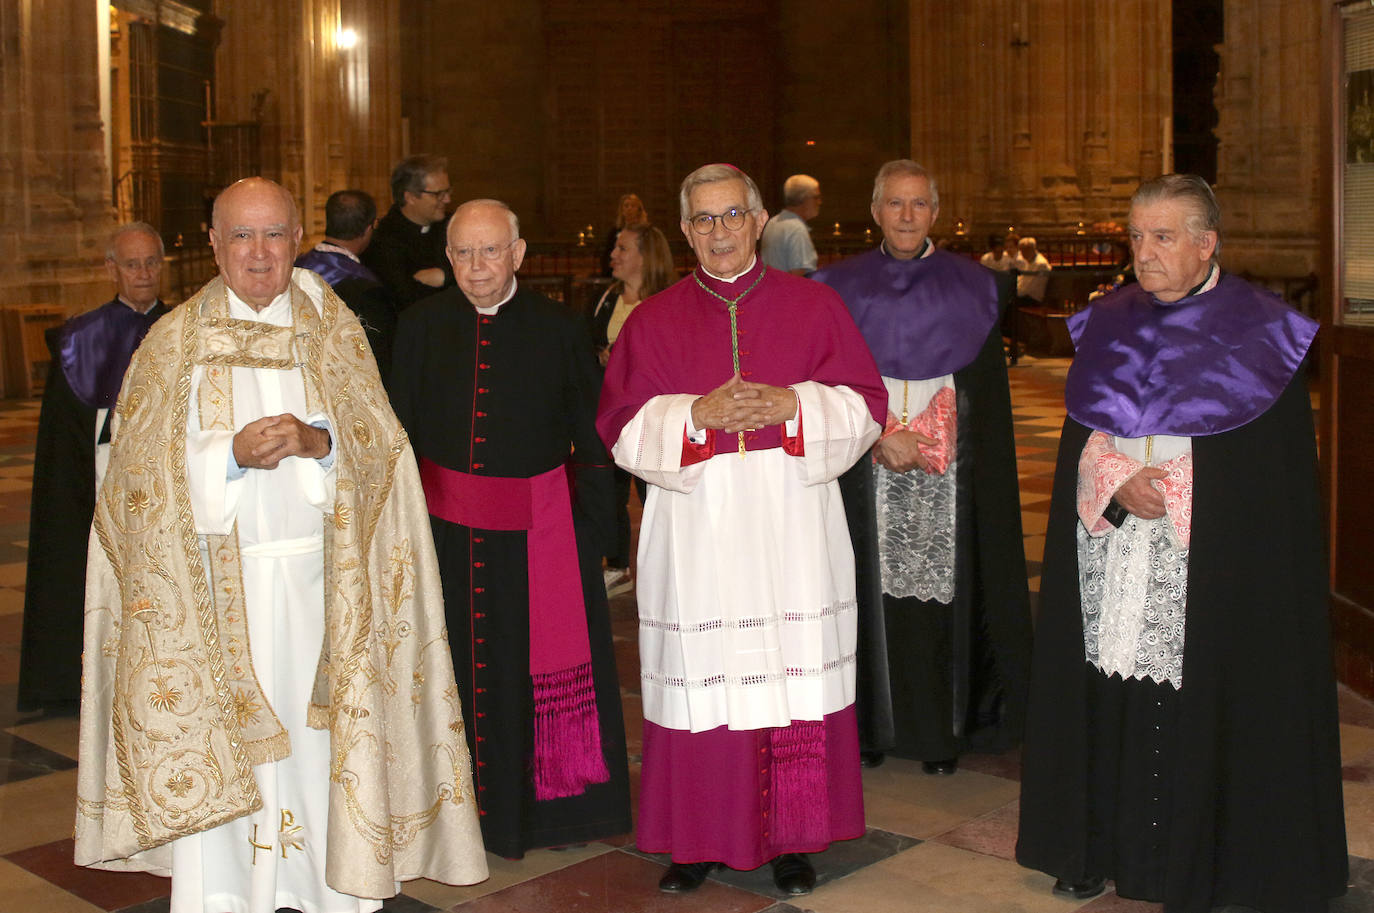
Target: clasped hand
[[741, 405], [900, 451], [264, 443], [1139, 496]]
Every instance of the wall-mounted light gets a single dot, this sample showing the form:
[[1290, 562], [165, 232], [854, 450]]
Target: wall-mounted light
[[347, 39]]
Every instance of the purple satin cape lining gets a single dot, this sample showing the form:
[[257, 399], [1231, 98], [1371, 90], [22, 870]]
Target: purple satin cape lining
[[334, 268], [925, 317], [95, 349], [1201, 365]]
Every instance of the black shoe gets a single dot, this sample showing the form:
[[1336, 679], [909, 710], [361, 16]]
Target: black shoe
[[793, 874], [682, 877], [942, 768], [565, 847], [871, 758], [1079, 890]]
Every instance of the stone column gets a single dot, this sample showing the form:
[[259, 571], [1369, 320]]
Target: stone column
[[330, 114], [1268, 166], [1041, 113], [54, 184]]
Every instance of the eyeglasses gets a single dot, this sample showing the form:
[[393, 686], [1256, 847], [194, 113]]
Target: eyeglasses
[[486, 252], [733, 220], [441, 193]]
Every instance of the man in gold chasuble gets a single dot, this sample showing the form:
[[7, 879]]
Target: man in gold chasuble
[[269, 712]]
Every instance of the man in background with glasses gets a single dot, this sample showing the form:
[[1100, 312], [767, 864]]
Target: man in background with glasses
[[740, 394], [497, 386], [407, 250]]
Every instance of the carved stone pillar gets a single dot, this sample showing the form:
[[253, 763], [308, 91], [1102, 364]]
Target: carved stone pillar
[[54, 185], [1038, 113], [1268, 100], [326, 88]]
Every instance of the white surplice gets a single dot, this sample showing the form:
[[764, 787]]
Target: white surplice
[[746, 584], [275, 857]]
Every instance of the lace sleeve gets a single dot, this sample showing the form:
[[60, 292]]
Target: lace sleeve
[[938, 420], [1102, 469]]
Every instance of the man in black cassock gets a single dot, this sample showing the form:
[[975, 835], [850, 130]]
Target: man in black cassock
[[89, 356], [1182, 736], [944, 616], [348, 227], [498, 387], [407, 249]]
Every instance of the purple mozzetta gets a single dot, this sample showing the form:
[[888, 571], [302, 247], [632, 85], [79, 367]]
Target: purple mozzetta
[[925, 317], [334, 268], [1200, 365], [95, 348]]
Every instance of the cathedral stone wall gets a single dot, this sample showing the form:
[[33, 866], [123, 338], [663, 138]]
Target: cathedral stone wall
[[1031, 113], [1269, 165], [55, 208], [561, 106], [1039, 114], [330, 114]]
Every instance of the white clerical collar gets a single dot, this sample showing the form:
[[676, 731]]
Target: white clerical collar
[[1213, 277], [487, 312], [326, 247], [277, 312], [927, 248], [752, 260]]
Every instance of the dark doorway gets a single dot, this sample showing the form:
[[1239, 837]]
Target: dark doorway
[[1197, 31]]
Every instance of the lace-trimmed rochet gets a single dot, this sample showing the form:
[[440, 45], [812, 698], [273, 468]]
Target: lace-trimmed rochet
[[1133, 583], [916, 532]]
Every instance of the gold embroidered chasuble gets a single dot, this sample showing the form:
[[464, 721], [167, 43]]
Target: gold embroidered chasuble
[[173, 718]]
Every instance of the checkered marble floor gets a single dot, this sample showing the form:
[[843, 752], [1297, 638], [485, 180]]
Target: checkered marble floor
[[939, 844]]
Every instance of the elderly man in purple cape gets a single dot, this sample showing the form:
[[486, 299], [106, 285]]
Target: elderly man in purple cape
[[944, 617], [740, 394], [90, 354], [1182, 734]]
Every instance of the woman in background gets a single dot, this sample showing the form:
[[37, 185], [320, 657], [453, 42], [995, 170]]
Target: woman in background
[[642, 265], [630, 211]]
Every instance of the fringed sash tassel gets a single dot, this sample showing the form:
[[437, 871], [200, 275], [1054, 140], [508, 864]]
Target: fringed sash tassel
[[800, 811], [567, 735]]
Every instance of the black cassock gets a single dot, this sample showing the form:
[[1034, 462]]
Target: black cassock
[[1228, 790], [514, 394], [60, 511], [400, 249], [937, 680]]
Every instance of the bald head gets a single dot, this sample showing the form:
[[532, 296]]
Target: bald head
[[256, 230], [254, 189], [484, 209]]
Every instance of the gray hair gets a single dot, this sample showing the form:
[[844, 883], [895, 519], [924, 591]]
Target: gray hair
[[904, 168], [1204, 214], [410, 173], [797, 188], [714, 174], [510, 215], [125, 229]]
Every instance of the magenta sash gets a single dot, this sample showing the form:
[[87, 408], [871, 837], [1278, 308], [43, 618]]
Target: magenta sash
[[567, 733]]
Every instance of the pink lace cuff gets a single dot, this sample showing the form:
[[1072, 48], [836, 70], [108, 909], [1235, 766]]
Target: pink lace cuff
[[1102, 469], [938, 420]]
